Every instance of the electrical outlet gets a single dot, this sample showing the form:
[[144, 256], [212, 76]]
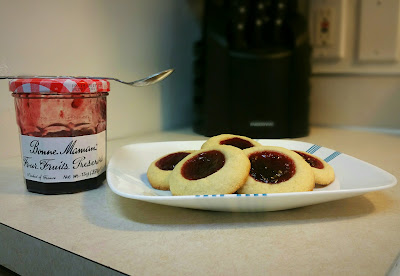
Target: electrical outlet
[[323, 27], [362, 37], [327, 29]]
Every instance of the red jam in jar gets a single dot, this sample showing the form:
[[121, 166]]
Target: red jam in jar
[[62, 125]]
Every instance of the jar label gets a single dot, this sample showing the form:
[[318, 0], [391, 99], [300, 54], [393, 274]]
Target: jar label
[[63, 159]]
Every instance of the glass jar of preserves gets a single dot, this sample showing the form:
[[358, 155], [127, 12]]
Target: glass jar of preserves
[[62, 124]]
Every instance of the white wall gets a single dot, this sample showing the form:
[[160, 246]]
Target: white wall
[[366, 102], [349, 93], [128, 39]]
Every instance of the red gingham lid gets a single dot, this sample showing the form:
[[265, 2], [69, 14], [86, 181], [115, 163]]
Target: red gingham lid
[[61, 85]]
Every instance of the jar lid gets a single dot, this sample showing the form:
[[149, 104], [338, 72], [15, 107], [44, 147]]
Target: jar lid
[[59, 85]]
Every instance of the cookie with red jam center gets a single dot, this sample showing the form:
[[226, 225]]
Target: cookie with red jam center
[[215, 170], [241, 142], [160, 169], [276, 170], [323, 172]]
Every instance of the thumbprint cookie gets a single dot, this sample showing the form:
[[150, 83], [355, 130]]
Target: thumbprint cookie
[[215, 170], [241, 142], [276, 170], [323, 172], [160, 169]]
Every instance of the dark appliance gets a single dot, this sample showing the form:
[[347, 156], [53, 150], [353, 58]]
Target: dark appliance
[[252, 69]]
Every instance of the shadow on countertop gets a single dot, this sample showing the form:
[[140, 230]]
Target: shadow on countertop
[[104, 208]]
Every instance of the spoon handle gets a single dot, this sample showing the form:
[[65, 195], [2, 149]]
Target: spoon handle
[[142, 82]]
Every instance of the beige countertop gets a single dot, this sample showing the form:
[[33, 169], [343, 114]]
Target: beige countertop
[[98, 232]]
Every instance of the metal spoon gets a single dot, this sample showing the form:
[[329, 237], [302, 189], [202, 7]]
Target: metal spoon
[[142, 82]]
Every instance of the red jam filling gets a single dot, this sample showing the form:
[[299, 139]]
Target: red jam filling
[[271, 167], [169, 162], [314, 162], [237, 142], [203, 165]]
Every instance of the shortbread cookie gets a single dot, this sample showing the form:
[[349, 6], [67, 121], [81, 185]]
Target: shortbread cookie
[[216, 170], [241, 142], [276, 170], [323, 172], [160, 169]]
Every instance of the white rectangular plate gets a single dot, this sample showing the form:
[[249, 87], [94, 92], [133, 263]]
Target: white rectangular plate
[[126, 176]]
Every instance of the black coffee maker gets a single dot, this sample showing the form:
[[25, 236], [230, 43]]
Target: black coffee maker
[[252, 69]]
